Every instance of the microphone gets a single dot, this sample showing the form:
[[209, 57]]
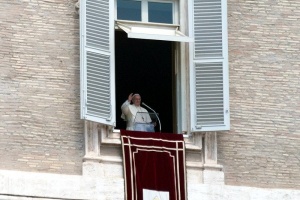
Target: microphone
[[155, 115]]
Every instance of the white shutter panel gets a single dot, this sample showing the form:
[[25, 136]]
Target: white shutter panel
[[97, 62], [209, 67]]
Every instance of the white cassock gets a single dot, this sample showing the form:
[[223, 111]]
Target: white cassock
[[132, 113]]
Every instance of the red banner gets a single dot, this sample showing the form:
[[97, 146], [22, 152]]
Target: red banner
[[154, 165]]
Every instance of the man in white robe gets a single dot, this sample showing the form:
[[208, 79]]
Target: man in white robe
[[133, 113]]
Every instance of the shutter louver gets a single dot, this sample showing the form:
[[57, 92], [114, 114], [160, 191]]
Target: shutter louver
[[96, 66], [208, 28], [209, 93], [209, 71], [97, 24], [98, 80]]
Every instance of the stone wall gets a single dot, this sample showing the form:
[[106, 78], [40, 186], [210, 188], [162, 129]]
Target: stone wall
[[40, 129], [32, 186], [262, 148]]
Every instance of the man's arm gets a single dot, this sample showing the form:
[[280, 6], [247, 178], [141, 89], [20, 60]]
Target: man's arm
[[125, 108]]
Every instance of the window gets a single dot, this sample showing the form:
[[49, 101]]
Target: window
[[201, 105], [163, 11], [160, 12], [129, 10], [154, 20]]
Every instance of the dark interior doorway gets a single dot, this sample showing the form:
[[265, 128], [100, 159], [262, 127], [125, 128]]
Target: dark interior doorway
[[144, 67]]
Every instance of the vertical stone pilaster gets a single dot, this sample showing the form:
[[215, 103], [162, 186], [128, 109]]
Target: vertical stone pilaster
[[212, 173], [104, 131], [91, 165], [92, 146], [210, 151]]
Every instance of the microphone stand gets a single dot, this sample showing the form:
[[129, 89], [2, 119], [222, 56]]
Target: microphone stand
[[155, 115]]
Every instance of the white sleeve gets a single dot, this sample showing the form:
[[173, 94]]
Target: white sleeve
[[124, 107]]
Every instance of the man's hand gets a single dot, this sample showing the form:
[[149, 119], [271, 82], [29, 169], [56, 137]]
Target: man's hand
[[130, 97]]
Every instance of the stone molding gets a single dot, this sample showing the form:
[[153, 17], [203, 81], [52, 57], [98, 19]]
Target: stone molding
[[29, 185], [201, 153], [97, 135], [44, 185]]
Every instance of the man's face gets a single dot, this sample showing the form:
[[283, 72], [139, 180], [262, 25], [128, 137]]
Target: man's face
[[136, 100]]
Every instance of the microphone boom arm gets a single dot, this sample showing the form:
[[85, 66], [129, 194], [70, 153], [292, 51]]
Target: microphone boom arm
[[155, 115]]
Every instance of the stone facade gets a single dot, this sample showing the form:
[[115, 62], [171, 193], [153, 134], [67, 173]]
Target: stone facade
[[40, 129], [263, 146], [44, 186]]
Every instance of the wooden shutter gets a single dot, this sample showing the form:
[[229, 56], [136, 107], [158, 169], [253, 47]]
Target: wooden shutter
[[209, 67], [97, 61]]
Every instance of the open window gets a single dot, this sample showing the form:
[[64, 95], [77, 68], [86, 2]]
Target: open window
[[158, 59]]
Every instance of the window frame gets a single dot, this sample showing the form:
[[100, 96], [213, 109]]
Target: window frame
[[144, 10], [185, 63]]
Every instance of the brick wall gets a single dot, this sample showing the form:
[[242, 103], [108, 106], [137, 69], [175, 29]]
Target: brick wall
[[263, 145], [40, 129]]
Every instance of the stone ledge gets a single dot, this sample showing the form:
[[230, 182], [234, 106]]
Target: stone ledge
[[216, 192], [213, 167], [102, 159], [196, 165], [29, 185], [114, 138], [44, 185]]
